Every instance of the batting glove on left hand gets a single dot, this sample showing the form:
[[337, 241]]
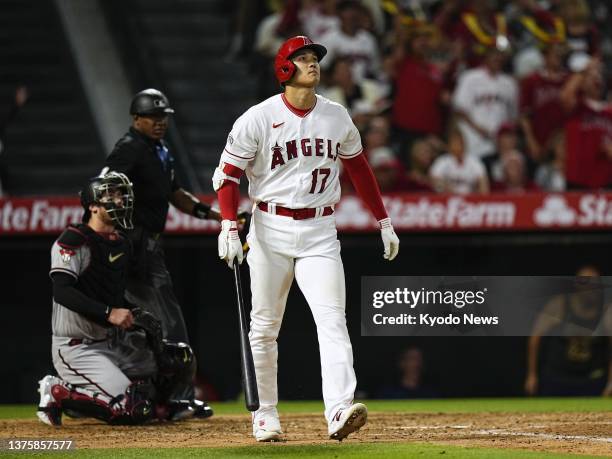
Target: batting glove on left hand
[[390, 239], [229, 245]]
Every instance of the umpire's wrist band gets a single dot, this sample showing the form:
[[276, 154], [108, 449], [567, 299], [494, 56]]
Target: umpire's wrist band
[[201, 210]]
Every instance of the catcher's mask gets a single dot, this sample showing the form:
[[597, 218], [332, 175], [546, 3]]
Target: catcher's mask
[[113, 191]]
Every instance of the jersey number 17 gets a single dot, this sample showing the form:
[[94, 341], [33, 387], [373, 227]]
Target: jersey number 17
[[324, 173]]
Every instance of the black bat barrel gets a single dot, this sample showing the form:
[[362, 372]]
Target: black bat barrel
[[246, 356]]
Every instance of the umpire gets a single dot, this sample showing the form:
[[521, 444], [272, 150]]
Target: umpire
[[143, 156]]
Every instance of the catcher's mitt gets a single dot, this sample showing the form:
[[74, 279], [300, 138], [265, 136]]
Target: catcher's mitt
[[152, 327]]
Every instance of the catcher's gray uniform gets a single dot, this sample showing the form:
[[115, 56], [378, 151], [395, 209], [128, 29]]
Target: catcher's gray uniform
[[84, 352]]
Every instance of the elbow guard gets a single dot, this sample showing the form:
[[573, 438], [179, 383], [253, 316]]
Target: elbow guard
[[219, 178]]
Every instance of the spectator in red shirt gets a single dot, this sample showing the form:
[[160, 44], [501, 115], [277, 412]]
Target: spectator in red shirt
[[588, 129], [419, 89], [540, 104]]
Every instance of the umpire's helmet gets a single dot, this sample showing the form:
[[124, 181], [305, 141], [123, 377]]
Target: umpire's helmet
[[103, 191], [283, 67], [150, 102]]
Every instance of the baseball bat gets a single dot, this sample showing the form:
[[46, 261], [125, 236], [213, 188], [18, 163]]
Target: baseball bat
[[246, 356]]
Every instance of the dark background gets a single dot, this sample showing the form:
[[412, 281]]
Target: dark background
[[454, 366]]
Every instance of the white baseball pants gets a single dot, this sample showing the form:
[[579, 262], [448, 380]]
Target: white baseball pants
[[282, 249]]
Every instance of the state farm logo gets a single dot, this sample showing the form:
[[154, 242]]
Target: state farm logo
[[554, 211], [589, 211], [38, 215], [453, 212]]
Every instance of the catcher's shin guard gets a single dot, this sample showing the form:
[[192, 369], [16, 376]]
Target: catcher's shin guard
[[133, 407], [138, 407], [86, 403]]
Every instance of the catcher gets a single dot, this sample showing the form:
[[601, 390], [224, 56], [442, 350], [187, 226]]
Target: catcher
[[98, 378]]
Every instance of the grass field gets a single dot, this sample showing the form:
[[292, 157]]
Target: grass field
[[472, 428]]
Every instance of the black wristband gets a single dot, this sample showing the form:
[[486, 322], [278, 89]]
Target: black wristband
[[201, 210]]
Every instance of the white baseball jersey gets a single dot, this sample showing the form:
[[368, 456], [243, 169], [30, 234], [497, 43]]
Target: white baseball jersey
[[489, 100], [361, 49], [317, 23], [292, 160], [461, 177]]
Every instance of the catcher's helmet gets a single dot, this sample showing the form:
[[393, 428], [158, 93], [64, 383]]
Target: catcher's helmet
[[283, 67], [104, 191], [150, 102]]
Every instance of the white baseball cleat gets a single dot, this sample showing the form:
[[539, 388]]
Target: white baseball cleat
[[266, 427], [347, 421], [49, 410]]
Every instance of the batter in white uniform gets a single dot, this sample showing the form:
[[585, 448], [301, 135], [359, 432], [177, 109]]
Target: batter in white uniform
[[289, 146]]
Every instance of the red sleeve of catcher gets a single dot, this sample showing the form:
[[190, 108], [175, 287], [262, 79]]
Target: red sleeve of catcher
[[363, 180], [229, 194]]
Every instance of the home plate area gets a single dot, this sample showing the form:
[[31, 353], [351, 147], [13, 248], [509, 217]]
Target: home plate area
[[578, 433]]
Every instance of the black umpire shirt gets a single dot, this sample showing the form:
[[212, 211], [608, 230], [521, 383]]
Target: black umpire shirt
[[154, 178]]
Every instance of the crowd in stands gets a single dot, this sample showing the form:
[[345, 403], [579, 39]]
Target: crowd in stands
[[461, 96]]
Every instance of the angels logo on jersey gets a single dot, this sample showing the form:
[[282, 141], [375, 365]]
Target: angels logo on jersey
[[277, 156], [308, 147]]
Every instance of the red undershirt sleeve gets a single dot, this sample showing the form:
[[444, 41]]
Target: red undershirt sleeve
[[229, 194], [363, 180]]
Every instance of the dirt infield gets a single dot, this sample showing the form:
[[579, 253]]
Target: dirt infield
[[578, 433]]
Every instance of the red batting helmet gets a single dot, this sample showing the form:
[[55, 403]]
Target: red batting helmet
[[283, 67]]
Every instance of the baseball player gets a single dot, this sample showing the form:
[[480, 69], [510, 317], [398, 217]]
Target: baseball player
[[290, 147], [88, 269], [97, 378]]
